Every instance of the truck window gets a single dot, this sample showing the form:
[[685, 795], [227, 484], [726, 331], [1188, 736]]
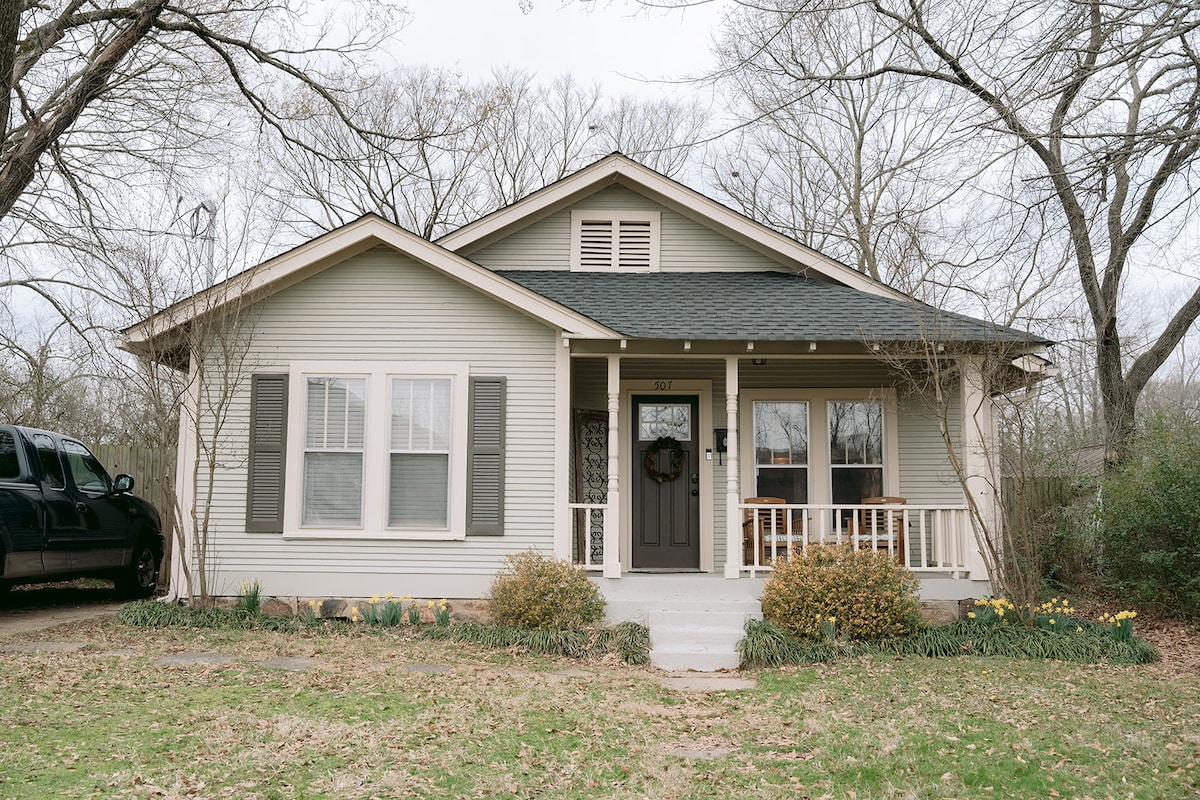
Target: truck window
[[51, 465], [86, 471], [9, 468]]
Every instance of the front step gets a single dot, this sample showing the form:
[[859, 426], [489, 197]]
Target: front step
[[701, 640]]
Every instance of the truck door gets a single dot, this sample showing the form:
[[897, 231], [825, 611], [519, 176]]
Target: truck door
[[63, 520], [20, 510], [104, 518]]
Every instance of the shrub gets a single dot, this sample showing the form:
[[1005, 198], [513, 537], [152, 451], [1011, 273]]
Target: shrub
[[536, 591], [1150, 537], [866, 594]]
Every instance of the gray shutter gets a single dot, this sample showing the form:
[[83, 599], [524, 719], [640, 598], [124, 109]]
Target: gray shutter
[[485, 458], [268, 439]]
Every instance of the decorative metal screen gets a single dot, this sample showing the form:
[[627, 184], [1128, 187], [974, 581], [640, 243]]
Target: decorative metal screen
[[590, 465]]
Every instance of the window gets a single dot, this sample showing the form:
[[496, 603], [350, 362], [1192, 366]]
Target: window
[[781, 450], [667, 419], [86, 471], [608, 241], [51, 465], [419, 469], [855, 450], [334, 449], [10, 468], [382, 450]]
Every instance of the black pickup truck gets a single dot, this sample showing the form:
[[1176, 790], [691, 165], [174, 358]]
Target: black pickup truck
[[63, 517]]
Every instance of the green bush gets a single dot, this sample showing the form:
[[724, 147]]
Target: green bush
[[866, 594], [1150, 533], [536, 591]]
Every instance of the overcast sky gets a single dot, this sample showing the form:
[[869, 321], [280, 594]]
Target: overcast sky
[[615, 43]]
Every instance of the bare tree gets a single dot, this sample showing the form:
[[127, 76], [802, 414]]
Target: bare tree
[[474, 147], [1087, 115]]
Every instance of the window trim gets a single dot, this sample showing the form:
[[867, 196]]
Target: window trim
[[377, 450], [820, 479], [580, 216]]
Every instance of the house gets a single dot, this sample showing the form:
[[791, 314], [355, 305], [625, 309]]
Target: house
[[613, 369]]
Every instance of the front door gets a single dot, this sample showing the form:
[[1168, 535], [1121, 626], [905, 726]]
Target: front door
[[666, 482]]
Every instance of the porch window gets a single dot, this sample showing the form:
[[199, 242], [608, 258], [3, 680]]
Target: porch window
[[334, 428], [855, 450], [781, 450], [419, 467]]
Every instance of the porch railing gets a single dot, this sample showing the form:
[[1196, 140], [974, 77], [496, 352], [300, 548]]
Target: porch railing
[[589, 521], [925, 538]]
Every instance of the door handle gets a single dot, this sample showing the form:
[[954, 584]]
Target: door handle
[[695, 477]]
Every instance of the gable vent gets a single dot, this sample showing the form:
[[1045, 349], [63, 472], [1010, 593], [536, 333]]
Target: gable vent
[[621, 241]]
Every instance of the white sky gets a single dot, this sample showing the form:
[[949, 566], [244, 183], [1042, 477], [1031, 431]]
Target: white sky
[[614, 42]]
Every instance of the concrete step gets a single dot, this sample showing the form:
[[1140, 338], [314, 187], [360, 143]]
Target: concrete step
[[696, 640], [640, 610]]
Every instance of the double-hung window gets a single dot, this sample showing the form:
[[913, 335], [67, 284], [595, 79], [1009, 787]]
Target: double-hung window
[[855, 450], [383, 450], [781, 450]]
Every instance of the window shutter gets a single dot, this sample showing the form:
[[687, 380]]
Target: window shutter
[[268, 436], [485, 457]]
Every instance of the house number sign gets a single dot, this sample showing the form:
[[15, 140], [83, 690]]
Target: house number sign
[[662, 386]]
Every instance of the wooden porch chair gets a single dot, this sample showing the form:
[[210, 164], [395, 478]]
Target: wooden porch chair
[[771, 527], [882, 528]]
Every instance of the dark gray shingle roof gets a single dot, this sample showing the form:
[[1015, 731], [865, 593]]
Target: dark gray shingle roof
[[763, 306]]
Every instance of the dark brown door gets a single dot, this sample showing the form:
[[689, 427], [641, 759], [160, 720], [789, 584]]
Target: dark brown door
[[666, 482]]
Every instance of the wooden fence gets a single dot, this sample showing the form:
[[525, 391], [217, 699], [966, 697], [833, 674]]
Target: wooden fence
[[1040, 494]]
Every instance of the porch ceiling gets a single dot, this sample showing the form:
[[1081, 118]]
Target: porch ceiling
[[756, 306]]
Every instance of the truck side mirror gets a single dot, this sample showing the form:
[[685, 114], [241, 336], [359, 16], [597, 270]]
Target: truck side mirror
[[123, 483]]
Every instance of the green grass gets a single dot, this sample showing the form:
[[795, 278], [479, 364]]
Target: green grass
[[504, 723]]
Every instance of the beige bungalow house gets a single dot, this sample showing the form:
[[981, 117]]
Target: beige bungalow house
[[616, 369]]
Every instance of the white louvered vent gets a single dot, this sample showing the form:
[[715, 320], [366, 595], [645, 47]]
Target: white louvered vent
[[614, 241]]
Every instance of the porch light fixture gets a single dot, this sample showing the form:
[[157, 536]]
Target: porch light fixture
[[812, 347], [758, 362]]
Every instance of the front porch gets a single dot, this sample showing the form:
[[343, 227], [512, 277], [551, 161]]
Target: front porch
[[827, 439]]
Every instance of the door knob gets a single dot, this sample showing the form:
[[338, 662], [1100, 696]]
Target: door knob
[[695, 492], [695, 477]]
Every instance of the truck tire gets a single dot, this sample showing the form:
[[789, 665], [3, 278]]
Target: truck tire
[[140, 577]]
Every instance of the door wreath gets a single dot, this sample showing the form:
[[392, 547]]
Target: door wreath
[[651, 460]]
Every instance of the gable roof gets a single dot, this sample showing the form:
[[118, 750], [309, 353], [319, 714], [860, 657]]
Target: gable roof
[[755, 306], [617, 168], [336, 246]]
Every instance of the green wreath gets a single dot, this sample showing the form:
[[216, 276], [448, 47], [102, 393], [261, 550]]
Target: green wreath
[[651, 460]]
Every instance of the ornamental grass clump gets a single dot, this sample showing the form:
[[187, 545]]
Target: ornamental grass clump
[[536, 591], [867, 594]]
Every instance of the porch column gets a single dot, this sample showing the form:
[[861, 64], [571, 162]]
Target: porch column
[[733, 516], [612, 513], [978, 449]]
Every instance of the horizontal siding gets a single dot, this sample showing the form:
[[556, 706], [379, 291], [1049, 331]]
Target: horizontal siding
[[685, 245], [381, 306]]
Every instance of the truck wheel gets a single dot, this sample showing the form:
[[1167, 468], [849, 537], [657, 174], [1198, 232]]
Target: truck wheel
[[140, 577]]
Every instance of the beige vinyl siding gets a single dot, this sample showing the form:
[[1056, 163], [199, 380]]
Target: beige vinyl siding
[[685, 245], [380, 306]]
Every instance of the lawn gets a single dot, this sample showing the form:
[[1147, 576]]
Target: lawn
[[374, 719]]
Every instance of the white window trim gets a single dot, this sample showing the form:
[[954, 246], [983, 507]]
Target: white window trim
[[820, 479], [375, 457], [579, 216]]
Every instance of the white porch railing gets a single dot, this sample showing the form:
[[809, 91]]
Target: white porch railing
[[931, 538], [589, 522], [935, 538]]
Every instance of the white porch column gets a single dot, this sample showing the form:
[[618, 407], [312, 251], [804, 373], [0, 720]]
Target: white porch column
[[612, 514], [562, 451], [978, 453], [733, 517]]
